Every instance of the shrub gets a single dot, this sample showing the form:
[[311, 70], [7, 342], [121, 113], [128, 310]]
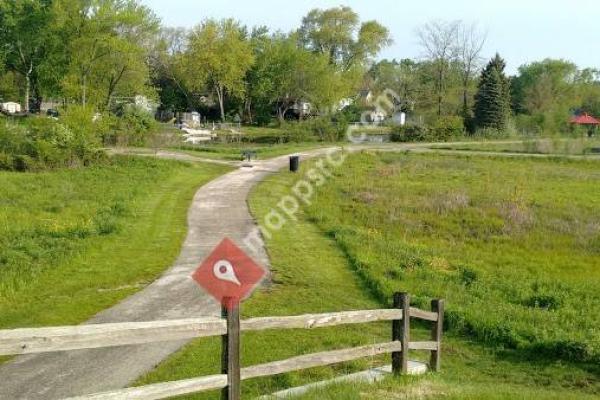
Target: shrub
[[324, 129], [262, 115], [353, 112], [446, 128], [297, 132], [134, 127], [87, 125], [441, 130], [328, 130], [410, 133], [43, 143]]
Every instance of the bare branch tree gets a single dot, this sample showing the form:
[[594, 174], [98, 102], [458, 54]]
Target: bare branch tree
[[438, 40], [470, 42]]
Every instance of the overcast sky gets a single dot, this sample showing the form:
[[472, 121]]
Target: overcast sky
[[520, 30]]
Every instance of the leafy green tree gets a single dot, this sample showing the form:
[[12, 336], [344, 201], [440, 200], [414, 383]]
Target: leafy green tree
[[24, 37], [218, 58], [258, 101], [492, 101], [108, 48], [338, 33], [542, 86], [550, 90], [588, 88], [403, 77], [285, 74]]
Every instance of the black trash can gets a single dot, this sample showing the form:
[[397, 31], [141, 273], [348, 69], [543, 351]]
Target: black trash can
[[294, 163]]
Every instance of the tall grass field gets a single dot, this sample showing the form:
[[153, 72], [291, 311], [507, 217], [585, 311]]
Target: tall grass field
[[313, 270], [76, 241], [512, 245]]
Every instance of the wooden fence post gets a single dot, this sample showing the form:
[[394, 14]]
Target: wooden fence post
[[437, 306], [401, 332], [230, 350]]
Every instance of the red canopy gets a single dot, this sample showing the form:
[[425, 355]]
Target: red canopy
[[584, 119]]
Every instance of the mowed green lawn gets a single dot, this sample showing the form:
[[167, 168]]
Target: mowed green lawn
[[513, 245], [74, 242], [311, 273]]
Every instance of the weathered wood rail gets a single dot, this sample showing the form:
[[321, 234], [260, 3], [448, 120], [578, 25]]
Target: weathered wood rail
[[41, 340]]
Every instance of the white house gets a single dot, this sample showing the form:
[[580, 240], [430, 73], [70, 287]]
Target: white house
[[11, 107]]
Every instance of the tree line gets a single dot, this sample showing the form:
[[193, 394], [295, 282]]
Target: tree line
[[453, 79], [97, 53], [91, 52]]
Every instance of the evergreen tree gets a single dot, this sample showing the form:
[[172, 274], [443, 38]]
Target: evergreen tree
[[492, 101]]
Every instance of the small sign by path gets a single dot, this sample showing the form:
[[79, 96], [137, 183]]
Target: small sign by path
[[228, 273]]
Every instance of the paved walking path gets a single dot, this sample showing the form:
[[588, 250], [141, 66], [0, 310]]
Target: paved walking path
[[219, 209]]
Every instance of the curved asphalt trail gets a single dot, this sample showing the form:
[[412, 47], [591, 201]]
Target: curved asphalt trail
[[219, 209]]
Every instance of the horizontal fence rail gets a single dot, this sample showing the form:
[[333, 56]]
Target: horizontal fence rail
[[41, 340], [189, 386]]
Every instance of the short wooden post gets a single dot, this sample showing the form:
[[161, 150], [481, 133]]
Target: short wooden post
[[437, 306], [230, 352], [401, 332]]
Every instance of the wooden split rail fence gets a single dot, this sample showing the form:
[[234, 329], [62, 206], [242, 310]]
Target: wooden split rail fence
[[42, 340]]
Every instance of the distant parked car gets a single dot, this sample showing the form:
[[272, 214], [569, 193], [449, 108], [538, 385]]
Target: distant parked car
[[52, 113]]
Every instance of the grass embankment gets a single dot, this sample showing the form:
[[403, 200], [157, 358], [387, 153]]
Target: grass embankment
[[74, 242], [511, 244], [312, 274], [555, 146]]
